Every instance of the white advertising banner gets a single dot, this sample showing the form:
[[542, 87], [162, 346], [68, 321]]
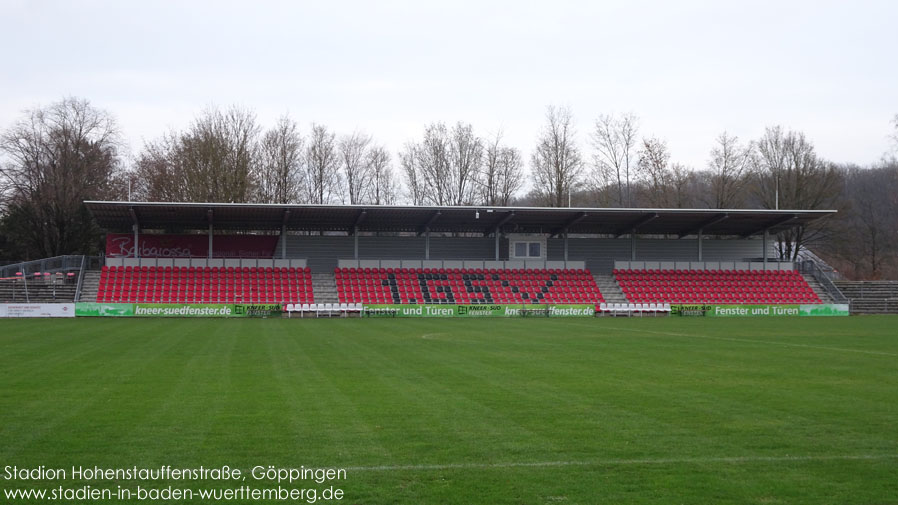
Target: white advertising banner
[[37, 310]]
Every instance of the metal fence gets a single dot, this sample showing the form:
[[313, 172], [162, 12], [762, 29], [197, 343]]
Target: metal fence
[[65, 264]]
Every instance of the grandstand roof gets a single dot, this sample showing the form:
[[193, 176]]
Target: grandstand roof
[[120, 216]]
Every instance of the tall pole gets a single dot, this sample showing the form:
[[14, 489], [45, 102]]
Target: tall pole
[[777, 192]]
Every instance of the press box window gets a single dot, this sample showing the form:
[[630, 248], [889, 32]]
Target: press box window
[[527, 249], [534, 250]]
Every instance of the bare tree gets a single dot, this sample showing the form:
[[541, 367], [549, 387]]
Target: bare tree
[[792, 176], [322, 164], [432, 163], [465, 158], [895, 125], [354, 162], [408, 158], [864, 238], [215, 160], [224, 146], [442, 168], [280, 164], [870, 225], [614, 139], [894, 138], [383, 185], [161, 171], [653, 172], [57, 157], [729, 170], [511, 175], [683, 187], [556, 162], [501, 174]]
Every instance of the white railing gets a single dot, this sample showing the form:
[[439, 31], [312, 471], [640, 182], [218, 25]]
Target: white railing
[[704, 265], [504, 265], [812, 268], [206, 262]]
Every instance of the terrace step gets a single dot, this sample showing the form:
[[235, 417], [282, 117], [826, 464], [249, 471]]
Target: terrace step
[[17, 291], [818, 289], [871, 297], [324, 286], [610, 289], [89, 286]]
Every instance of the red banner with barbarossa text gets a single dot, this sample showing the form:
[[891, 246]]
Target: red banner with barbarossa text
[[121, 245]]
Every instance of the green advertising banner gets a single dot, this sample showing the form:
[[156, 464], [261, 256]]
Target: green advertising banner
[[478, 310], [90, 309], [824, 309], [183, 310], [759, 310], [174, 310], [752, 310]]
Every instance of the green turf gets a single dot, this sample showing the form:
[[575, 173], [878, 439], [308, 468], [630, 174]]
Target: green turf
[[801, 410]]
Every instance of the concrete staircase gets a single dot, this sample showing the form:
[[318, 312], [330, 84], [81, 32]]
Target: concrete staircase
[[89, 286], [871, 297], [818, 289], [325, 288], [610, 289]]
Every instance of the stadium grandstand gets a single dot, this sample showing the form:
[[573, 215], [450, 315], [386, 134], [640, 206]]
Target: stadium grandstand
[[306, 257]]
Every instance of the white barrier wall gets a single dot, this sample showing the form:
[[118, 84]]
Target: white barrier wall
[[703, 265], [204, 262], [458, 264], [37, 310]]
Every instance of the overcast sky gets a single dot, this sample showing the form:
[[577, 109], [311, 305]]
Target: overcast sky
[[688, 69]]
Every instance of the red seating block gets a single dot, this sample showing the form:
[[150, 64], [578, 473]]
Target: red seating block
[[206, 285], [715, 286], [465, 286]]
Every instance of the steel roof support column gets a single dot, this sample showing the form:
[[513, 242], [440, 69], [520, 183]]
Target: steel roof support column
[[700, 244], [284, 241], [284, 219], [497, 244], [136, 229], [427, 244], [565, 250], [764, 246], [355, 233], [210, 216], [633, 245]]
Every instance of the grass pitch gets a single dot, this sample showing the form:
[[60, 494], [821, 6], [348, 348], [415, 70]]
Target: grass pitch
[[510, 411]]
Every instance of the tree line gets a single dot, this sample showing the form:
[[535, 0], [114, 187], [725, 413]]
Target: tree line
[[57, 156]]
